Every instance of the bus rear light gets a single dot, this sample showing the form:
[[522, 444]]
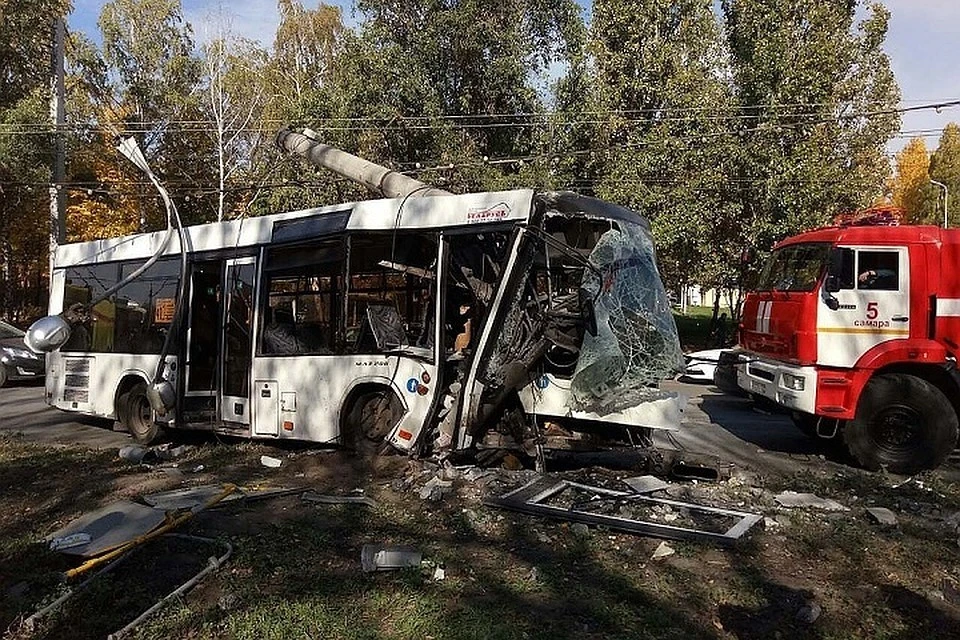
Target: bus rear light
[[422, 390], [287, 425], [425, 377], [404, 435]]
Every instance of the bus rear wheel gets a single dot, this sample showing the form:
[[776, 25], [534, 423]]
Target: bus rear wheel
[[136, 414], [369, 419], [903, 424]]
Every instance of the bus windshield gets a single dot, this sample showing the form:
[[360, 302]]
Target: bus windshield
[[796, 267]]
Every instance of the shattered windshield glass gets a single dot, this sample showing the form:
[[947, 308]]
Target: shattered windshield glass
[[636, 343]]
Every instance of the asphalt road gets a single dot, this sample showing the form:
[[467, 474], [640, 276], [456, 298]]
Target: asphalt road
[[22, 410], [718, 427]]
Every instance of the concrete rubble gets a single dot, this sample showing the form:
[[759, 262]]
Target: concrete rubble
[[882, 516], [794, 500]]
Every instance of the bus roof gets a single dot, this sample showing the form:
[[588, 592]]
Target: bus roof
[[434, 212]]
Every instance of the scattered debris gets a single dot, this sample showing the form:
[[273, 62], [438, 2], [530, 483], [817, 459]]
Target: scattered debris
[[882, 515], [378, 557], [271, 462], [951, 591], [108, 528], [473, 474], [580, 530], [310, 496], [792, 499], [770, 524], [197, 469], [662, 551], [132, 453], [186, 498], [512, 463], [645, 484], [533, 497], [72, 540], [435, 489], [439, 574], [809, 612]]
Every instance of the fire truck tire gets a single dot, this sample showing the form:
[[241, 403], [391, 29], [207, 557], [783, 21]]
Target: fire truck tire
[[903, 424], [370, 418], [136, 415]]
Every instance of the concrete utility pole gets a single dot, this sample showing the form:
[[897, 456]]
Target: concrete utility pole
[[378, 179], [58, 199], [946, 196]]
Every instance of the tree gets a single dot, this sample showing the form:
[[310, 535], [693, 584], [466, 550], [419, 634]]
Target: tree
[[154, 83], [25, 140], [817, 102], [662, 149], [234, 99], [911, 182], [945, 166]]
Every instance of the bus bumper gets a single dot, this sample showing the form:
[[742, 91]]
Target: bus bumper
[[790, 386]]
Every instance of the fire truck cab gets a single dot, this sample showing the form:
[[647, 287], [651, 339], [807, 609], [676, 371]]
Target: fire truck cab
[[855, 330]]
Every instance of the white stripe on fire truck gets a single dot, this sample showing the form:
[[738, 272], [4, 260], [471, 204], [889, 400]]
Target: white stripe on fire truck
[[763, 316], [948, 307]]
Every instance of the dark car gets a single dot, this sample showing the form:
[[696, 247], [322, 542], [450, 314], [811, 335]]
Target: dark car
[[17, 362]]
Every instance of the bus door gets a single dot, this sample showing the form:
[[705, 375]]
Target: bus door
[[203, 342], [237, 345]]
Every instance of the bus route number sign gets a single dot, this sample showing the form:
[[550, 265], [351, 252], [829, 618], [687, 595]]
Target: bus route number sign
[[163, 310]]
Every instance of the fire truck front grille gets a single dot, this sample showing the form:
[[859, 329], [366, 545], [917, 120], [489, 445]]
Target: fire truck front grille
[[760, 373]]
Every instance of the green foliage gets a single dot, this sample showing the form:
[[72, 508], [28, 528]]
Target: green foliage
[[727, 130], [804, 78], [945, 168]]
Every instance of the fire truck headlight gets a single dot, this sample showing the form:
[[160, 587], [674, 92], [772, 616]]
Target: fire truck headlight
[[793, 382]]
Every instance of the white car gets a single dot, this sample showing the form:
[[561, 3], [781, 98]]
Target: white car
[[700, 366], [717, 366]]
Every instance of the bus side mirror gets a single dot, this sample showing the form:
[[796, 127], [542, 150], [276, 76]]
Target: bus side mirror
[[48, 334]]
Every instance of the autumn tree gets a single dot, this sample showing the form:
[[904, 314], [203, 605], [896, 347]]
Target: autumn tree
[[25, 140], [911, 182], [945, 168]]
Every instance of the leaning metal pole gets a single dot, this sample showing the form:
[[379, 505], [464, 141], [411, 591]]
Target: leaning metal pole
[[378, 179]]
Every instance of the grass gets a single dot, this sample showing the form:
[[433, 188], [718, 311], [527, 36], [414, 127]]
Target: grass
[[694, 327], [295, 571]]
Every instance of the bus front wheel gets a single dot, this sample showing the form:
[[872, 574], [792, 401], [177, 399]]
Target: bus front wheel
[[136, 414], [369, 419], [903, 424]]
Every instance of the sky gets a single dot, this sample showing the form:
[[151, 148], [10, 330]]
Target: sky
[[922, 44]]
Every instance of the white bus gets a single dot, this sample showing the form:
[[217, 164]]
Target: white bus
[[479, 319]]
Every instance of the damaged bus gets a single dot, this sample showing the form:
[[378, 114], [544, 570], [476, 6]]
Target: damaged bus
[[485, 320]]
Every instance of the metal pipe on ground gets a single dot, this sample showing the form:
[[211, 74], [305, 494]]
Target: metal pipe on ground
[[373, 176]]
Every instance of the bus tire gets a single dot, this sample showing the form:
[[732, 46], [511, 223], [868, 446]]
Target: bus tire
[[904, 424], [369, 419], [3, 375], [136, 415]]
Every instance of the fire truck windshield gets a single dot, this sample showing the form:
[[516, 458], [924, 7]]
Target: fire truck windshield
[[796, 267]]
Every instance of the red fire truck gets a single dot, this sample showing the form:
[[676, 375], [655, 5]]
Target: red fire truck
[[855, 329]]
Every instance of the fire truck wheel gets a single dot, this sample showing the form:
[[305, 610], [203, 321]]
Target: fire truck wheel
[[371, 417], [136, 414], [903, 424]]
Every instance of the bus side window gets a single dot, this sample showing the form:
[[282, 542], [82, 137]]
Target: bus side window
[[392, 281], [304, 287]]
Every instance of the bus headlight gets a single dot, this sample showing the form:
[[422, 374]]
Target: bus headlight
[[792, 382]]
